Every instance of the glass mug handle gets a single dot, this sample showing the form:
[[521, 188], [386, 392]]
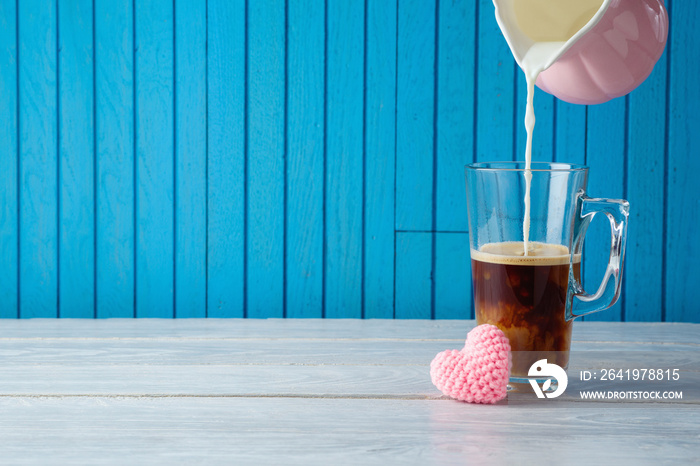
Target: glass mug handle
[[579, 302]]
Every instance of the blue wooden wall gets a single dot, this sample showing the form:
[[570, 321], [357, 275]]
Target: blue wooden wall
[[303, 158]]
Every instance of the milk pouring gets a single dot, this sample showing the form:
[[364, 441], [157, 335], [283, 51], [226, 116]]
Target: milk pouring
[[581, 51]]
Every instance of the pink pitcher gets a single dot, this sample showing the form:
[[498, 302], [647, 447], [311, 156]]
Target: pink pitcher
[[609, 56]]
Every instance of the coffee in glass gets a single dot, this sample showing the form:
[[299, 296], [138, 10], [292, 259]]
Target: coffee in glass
[[531, 289], [525, 296]]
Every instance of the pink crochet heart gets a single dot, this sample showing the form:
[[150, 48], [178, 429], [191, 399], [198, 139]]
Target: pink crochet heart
[[479, 372]]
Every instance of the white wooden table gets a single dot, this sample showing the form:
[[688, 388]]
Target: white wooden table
[[317, 392]]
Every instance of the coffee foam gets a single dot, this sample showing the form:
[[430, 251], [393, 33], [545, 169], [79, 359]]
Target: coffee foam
[[512, 253]]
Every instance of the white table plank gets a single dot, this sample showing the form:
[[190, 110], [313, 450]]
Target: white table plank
[[140, 351], [218, 380], [313, 431], [317, 392], [352, 381], [447, 330]]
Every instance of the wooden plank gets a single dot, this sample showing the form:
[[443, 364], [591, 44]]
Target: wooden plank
[[9, 221], [453, 278], [114, 152], [227, 353], [154, 158], [683, 191], [358, 431], [331, 329], [309, 351], [414, 275], [344, 159], [232, 352], [216, 380], [76, 132], [403, 347], [569, 144], [643, 268], [273, 380], [570, 132], [305, 128], [380, 158], [38, 140], [606, 153], [226, 157], [496, 75], [455, 117], [190, 158], [415, 109], [265, 159]]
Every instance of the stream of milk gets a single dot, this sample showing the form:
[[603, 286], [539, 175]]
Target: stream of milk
[[548, 24], [533, 64]]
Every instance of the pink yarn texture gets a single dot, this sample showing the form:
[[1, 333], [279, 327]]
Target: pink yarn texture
[[479, 372]]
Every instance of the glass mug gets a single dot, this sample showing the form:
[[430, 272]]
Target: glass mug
[[534, 298]]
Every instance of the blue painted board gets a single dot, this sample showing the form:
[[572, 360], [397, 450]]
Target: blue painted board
[[76, 164], [38, 140], [643, 269], [190, 158], [225, 157], [304, 187], [8, 161], [232, 158], [380, 158], [569, 132], [415, 115], [154, 83], [682, 222], [344, 159], [114, 159], [496, 83], [455, 115], [453, 278], [606, 154], [414, 275], [265, 159]]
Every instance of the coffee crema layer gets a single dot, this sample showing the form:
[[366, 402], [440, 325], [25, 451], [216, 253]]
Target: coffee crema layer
[[513, 253]]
